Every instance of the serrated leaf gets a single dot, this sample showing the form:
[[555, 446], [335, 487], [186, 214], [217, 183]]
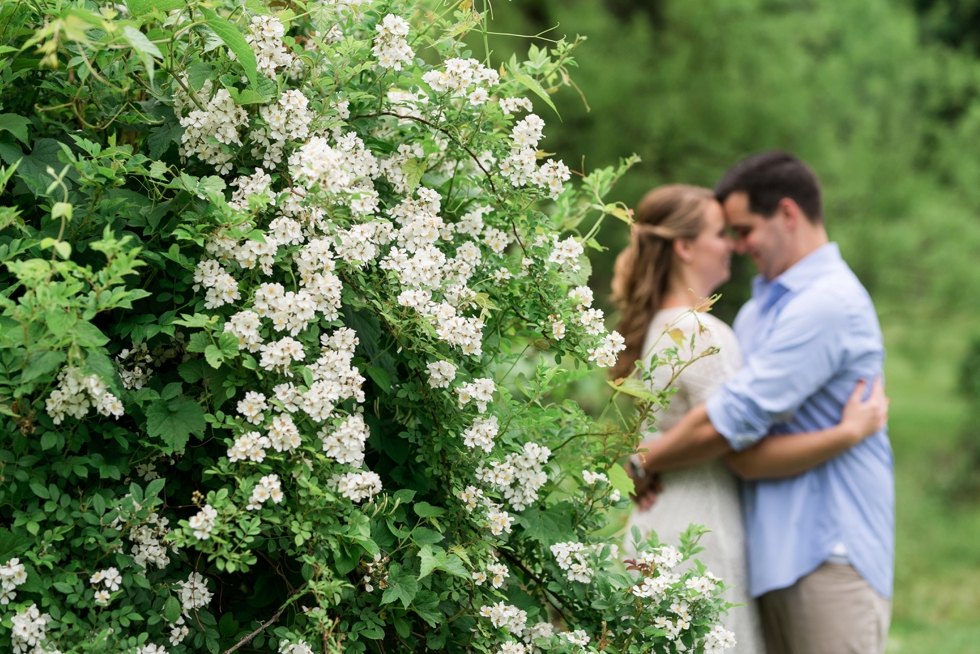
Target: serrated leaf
[[677, 335], [159, 141], [40, 364], [174, 421], [246, 96], [430, 561], [214, 356], [16, 125], [144, 47], [413, 170], [12, 544], [232, 38], [403, 589]]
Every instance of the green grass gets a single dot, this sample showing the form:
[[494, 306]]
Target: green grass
[[936, 606]]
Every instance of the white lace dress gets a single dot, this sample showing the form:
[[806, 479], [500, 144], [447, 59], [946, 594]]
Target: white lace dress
[[707, 494]]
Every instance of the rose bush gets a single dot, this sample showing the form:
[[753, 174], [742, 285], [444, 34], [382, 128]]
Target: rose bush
[[290, 297]]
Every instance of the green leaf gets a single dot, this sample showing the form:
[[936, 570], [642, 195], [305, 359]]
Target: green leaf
[[246, 96], [531, 84], [199, 342], [381, 378], [404, 589], [144, 47], [214, 356], [423, 536], [430, 561], [12, 544], [175, 421], [634, 387], [160, 140], [426, 510], [191, 371], [413, 170], [40, 364], [60, 320], [171, 609], [16, 125], [140, 7], [88, 335], [454, 566], [232, 38]]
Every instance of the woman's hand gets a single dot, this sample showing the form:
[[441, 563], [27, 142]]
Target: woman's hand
[[860, 418]]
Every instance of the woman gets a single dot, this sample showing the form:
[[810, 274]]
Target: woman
[[680, 251]]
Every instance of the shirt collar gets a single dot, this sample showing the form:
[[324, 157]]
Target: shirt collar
[[799, 275]]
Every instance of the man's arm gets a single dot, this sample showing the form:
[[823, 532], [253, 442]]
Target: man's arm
[[793, 454]]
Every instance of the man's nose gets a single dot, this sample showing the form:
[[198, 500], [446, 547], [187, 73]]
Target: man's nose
[[741, 246]]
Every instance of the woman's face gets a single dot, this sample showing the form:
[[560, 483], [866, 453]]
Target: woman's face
[[711, 252]]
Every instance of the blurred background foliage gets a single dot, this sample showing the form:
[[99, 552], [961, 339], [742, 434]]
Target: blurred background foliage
[[882, 98]]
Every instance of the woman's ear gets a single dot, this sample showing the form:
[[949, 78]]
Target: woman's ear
[[684, 249]]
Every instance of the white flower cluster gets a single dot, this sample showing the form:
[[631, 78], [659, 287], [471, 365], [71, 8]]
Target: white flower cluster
[[344, 172], [504, 616], [194, 593], [480, 391], [109, 577], [203, 522], [29, 631], [512, 647], [591, 478], [300, 647], [538, 630], [246, 186], [287, 120], [140, 359], [334, 379], [149, 542], [481, 434], [513, 105], [77, 393], [376, 573], [519, 476], [577, 637], [441, 374], [250, 446], [498, 520], [359, 486], [12, 574], [521, 168], [718, 640], [221, 287], [265, 36], [566, 252], [150, 648], [390, 46], [267, 489], [178, 631], [496, 571], [608, 351], [574, 558], [219, 120], [663, 559], [459, 75], [345, 443]]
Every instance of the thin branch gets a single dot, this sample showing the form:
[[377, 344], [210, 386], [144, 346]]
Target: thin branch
[[247, 639]]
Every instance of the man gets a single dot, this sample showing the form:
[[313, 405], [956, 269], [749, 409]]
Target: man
[[820, 539]]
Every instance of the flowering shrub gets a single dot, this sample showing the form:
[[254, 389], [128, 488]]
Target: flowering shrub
[[273, 279]]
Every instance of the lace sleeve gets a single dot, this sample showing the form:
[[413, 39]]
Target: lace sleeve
[[703, 377]]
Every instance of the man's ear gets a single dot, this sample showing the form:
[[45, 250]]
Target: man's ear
[[791, 213]]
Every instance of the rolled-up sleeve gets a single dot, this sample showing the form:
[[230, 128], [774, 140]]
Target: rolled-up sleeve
[[803, 350]]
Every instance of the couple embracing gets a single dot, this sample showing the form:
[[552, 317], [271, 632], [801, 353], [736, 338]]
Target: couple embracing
[[777, 443]]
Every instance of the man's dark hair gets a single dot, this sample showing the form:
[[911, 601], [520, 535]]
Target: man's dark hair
[[770, 176]]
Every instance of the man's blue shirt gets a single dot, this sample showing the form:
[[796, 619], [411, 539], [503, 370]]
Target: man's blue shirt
[[807, 337]]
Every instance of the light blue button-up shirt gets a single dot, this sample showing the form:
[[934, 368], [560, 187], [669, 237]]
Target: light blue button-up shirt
[[807, 337]]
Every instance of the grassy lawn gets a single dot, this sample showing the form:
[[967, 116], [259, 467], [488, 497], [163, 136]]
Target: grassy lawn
[[937, 581]]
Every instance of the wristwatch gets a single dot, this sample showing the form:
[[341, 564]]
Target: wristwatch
[[637, 471]]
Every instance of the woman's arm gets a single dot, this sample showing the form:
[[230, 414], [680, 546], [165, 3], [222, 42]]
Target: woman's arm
[[776, 457]]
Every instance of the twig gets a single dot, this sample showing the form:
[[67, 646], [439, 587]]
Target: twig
[[247, 639]]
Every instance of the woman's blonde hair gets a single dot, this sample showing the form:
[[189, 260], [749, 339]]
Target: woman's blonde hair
[[643, 269]]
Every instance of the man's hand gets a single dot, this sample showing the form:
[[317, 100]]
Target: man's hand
[[860, 418], [646, 485]]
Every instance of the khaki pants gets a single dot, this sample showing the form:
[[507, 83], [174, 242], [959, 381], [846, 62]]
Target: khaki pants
[[832, 610]]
